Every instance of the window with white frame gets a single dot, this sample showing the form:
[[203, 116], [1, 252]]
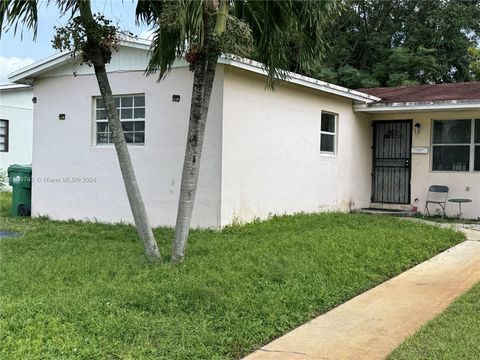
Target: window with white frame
[[4, 134], [328, 133], [131, 110], [456, 145]]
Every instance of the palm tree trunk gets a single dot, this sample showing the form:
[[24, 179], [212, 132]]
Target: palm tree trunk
[[203, 78], [137, 206]]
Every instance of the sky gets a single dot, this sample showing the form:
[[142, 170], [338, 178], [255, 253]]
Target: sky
[[19, 50]]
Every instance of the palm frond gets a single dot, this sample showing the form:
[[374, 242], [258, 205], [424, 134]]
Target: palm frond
[[177, 25], [166, 48], [70, 5], [287, 34], [19, 14], [148, 11], [285, 27]]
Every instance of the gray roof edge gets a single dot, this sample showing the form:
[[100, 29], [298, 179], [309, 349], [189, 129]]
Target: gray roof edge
[[419, 106]]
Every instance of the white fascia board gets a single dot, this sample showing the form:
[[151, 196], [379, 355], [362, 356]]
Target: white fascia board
[[13, 87], [256, 67], [22, 75], [414, 107], [136, 43]]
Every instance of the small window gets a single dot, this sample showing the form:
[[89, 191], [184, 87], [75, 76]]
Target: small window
[[328, 133], [4, 135], [455, 145], [131, 110]]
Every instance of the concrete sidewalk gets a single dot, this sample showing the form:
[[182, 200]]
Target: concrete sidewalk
[[372, 324]]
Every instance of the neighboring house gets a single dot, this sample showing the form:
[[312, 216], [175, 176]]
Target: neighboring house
[[16, 123], [307, 146]]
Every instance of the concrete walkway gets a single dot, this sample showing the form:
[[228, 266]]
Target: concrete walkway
[[372, 324]]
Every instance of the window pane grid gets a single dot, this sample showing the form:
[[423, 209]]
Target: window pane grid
[[454, 145], [3, 135], [131, 111]]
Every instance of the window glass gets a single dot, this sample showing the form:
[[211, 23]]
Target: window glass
[[127, 101], [451, 131], [127, 125], [477, 158], [126, 113], [451, 158], [102, 127], [101, 115], [327, 143], [103, 138], [477, 131], [139, 113], [139, 101], [328, 122], [139, 137]]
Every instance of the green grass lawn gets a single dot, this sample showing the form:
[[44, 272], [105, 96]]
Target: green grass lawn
[[454, 334], [73, 290]]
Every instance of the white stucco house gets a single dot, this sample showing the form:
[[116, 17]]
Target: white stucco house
[[16, 125], [307, 146]]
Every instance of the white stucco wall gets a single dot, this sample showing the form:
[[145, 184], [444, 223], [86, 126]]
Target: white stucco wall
[[16, 107], [461, 184], [271, 151], [66, 149]]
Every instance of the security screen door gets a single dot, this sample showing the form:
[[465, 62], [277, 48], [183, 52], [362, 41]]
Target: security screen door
[[392, 142]]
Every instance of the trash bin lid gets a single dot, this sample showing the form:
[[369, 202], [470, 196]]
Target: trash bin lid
[[20, 168]]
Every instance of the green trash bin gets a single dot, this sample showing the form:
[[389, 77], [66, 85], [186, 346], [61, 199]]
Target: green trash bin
[[20, 178]]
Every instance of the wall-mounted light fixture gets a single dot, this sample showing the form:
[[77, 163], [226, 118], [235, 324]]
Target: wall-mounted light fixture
[[417, 128]]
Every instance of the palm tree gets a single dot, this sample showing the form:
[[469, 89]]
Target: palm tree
[[201, 30], [96, 47]]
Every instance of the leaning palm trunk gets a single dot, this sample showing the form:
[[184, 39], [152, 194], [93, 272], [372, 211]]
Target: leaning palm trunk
[[131, 186], [203, 78]]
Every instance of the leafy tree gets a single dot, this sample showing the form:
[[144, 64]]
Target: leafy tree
[[475, 62], [395, 42], [94, 38], [201, 30]]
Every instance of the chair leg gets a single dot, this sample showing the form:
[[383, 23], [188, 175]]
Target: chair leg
[[426, 209], [443, 211]]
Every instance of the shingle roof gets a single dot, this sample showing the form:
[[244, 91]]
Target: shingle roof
[[427, 93]]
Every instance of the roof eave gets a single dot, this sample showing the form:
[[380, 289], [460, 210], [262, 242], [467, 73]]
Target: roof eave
[[257, 67], [418, 106], [14, 87], [24, 75]]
